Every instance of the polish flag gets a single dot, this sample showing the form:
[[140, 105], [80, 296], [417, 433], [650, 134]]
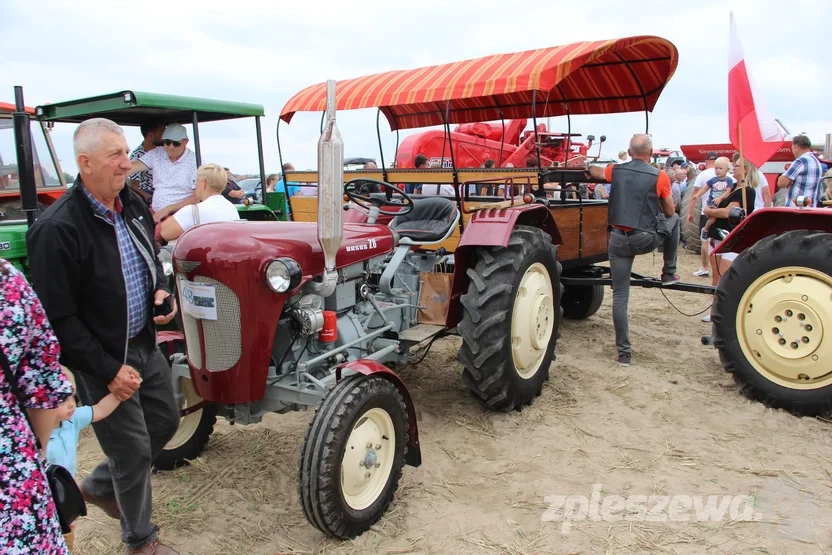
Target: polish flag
[[761, 135]]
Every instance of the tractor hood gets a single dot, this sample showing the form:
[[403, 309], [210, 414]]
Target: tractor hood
[[252, 245]]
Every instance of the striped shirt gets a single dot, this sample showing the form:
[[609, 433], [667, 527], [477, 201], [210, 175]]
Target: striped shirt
[[135, 270], [145, 178], [805, 173]]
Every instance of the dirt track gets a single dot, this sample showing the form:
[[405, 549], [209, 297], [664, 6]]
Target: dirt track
[[671, 424]]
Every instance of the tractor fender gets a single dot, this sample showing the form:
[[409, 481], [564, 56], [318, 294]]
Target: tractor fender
[[369, 367], [492, 228], [773, 221]]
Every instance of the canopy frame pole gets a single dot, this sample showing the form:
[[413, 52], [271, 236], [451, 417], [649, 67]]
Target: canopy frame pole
[[197, 148], [260, 156], [568, 125], [536, 139], [446, 114], [380, 148], [641, 89], [396, 155], [503, 136], [279, 152]]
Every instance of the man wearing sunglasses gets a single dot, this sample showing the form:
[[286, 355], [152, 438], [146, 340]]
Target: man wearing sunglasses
[[174, 172]]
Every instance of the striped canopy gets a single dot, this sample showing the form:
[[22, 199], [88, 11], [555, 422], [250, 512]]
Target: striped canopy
[[601, 77]]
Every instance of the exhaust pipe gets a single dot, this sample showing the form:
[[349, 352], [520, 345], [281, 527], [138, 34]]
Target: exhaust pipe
[[330, 192]]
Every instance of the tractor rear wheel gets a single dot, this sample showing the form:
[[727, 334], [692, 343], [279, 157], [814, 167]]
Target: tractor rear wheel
[[194, 429], [582, 301], [691, 230], [772, 320], [510, 321], [353, 455]]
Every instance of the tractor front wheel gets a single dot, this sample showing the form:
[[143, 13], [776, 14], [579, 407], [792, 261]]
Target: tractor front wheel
[[352, 456], [195, 428], [511, 315], [772, 320]]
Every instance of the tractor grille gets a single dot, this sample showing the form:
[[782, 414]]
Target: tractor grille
[[223, 338]]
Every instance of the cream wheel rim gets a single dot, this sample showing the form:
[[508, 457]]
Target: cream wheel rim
[[368, 458], [781, 322], [532, 320], [188, 424]]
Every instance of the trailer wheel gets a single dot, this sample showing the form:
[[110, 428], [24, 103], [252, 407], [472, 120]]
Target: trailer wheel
[[353, 455], [691, 230], [194, 429], [582, 301], [511, 316], [772, 320]]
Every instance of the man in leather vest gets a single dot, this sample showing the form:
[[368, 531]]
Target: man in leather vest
[[637, 191]]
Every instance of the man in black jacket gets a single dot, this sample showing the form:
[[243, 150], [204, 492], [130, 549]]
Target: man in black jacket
[[95, 268]]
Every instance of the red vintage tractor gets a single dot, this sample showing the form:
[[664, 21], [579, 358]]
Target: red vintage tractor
[[509, 144], [772, 312], [285, 316]]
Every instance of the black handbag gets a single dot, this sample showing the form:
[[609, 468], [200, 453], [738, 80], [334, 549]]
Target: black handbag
[[65, 491]]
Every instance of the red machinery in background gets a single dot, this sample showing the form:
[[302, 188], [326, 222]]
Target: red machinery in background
[[471, 144]]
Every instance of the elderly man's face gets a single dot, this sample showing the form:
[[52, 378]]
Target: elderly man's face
[[107, 166], [175, 149], [681, 175]]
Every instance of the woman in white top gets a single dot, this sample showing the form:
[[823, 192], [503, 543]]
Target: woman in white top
[[212, 206]]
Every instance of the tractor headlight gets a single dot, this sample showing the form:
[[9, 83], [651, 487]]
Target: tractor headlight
[[282, 275]]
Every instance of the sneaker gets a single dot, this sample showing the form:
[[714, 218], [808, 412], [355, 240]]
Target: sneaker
[[624, 360], [701, 272], [670, 279], [707, 318]]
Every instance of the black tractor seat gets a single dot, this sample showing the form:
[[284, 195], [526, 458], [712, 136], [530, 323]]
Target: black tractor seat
[[429, 221]]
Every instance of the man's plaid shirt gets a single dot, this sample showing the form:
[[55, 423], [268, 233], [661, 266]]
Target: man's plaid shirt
[[133, 266], [805, 173]]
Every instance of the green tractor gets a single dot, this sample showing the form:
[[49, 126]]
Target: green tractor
[[22, 138]]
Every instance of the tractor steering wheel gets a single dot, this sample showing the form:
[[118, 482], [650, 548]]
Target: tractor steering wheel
[[365, 201]]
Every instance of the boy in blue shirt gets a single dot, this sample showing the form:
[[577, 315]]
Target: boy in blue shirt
[[717, 187], [62, 448]]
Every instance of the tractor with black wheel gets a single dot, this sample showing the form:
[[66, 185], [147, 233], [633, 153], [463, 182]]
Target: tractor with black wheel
[[772, 312]]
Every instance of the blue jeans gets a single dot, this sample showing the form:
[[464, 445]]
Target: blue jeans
[[623, 248]]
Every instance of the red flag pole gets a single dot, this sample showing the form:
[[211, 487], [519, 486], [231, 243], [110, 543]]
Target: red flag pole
[[745, 171]]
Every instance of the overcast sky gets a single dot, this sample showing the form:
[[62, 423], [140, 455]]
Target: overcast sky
[[264, 52]]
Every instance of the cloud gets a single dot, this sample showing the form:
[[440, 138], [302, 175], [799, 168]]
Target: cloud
[[264, 53]]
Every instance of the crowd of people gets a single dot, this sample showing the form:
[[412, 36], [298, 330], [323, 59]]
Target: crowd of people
[[644, 211], [78, 345]]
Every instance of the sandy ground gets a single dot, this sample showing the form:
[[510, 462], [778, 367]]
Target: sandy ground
[[673, 424]]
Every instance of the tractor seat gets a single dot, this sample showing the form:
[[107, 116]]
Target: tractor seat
[[429, 221]]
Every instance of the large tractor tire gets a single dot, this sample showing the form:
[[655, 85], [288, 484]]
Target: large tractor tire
[[772, 322], [352, 456], [582, 301], [194, 429], [691, 230], [510, 321]]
